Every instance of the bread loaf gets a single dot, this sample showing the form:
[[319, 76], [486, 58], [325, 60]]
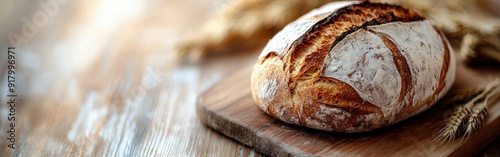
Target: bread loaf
[[353, 67]]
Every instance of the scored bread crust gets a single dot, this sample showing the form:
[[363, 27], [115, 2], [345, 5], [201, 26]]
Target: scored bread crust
[[353, 67]]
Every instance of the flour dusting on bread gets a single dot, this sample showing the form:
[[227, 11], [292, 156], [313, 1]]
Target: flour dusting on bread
[[354, 68], [268, 90]]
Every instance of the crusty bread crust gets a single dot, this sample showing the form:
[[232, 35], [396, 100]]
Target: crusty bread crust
[[327, 69]]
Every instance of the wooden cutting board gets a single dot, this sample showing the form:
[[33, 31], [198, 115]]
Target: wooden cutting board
[[229, 108]]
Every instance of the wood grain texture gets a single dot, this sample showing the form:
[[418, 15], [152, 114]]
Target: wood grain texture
[[229, 108], [98, 80]]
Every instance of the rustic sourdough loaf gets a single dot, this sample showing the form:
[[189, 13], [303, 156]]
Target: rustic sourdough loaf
[[353, 67]]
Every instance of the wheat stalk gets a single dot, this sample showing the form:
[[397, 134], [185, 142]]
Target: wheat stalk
[[250, 21], [454, 123], [477, 116], [471, 112], [242, 22], [458, 117]]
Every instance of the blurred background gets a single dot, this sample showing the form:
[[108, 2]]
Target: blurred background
[[96, 78], [74, 35]]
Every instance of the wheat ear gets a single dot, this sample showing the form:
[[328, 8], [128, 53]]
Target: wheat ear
[[242, 22], [455, 122], [477, 116], [471, 113], [478, 107]]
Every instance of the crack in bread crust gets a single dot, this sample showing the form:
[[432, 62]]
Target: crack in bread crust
[[401, 64], [305, 59], [306, 96], [442, 83], [343, 92]]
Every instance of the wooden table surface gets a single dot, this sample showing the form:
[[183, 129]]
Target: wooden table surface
[[95, 78]]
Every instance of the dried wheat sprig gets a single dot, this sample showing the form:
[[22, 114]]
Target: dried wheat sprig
[[475, 46], [454, 123], [468, 117], [243, 22], [479, 112], [469, 42], [462, 18], [490, 53], [477, 116], [478, 107], [456, 118], [490, 47]]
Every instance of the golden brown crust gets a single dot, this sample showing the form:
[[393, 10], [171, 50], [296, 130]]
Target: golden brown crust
[[302, 95], [306, 59]]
